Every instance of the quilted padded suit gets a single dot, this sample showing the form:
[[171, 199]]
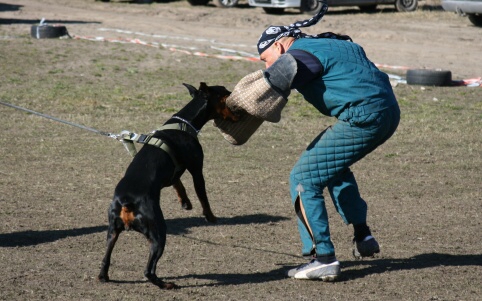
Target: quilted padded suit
[[352, 89], [349, 80], [325, 163]]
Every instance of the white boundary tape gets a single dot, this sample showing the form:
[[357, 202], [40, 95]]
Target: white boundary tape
[[173, 48], [246, 56], [185, 38]]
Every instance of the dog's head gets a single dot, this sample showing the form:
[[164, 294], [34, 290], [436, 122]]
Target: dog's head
[[215, 97]]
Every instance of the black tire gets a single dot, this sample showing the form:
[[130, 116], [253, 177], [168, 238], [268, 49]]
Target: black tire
[[226, 3], [368, 8], [47, 31], [476, 19], [273, 10], [310, 7], [428, 77], [198, 2], [406, 5]]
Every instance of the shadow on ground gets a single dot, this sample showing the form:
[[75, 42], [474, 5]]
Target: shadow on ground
[[377, 266], [181, 225], [31, 237], [421, 261], [174, 227], [9, 7]]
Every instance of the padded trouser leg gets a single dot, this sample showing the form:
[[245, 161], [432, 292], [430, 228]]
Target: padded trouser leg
[[312, 220], [346, 197], [325, 163]]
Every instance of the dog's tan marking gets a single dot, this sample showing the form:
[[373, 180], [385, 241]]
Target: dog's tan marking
[[182, 195], [223, 110], [127, 217]]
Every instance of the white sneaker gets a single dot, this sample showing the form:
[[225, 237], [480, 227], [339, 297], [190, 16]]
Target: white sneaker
[[316, 270]]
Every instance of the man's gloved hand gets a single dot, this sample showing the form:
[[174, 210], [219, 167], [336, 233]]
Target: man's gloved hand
[[280, 75], [259, 96]]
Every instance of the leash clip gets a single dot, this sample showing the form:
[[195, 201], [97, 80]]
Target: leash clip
[[127, 138]]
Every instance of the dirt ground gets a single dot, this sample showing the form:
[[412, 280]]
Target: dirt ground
[[423, 186]]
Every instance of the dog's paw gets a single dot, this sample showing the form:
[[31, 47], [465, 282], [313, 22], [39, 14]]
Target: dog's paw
[[103, 278], [161, 284], [211, 218], [186, 204], [167, 286]]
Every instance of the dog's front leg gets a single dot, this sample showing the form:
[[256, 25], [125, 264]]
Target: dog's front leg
[[200, 187], [182, 195]]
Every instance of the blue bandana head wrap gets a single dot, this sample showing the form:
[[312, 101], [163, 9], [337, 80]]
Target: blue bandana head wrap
[[274, 33]]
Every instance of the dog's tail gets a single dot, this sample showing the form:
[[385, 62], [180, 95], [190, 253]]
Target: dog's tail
[[127, 216]]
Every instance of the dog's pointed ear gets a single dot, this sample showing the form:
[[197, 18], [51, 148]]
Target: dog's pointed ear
[[191, 89], [204, 87]]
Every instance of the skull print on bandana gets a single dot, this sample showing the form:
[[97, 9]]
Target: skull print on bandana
[[273, 33]]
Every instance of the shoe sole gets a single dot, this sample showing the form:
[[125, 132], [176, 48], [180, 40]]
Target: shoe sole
[[331, 273], [330, 278], [357, 254]]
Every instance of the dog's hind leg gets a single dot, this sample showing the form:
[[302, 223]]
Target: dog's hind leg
[[112, 236], [200, 187], [115, 228], [157, 238], [182, 195]]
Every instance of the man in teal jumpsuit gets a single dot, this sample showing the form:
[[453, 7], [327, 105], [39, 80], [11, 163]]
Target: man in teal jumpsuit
[[335, 76]]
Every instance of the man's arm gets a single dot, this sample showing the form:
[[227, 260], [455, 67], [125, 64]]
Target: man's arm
[[309, 67]]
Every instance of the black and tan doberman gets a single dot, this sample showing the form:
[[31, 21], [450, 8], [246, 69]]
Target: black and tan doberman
[[136, 198]]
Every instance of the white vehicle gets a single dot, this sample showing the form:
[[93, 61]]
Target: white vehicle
[[313, 6], [470, 8]]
